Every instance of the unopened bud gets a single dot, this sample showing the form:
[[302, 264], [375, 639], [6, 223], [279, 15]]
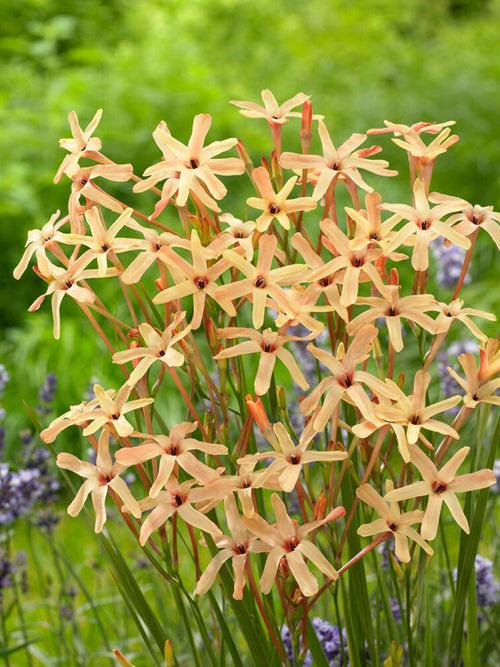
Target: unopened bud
[[378, 357], [133, 333], [169, 654], [243, 153], [275, 166], [306, 131], [394, 280], [208, 425], [319, 511], [256, 409], [212, 337], [280, 394], [121, 658]]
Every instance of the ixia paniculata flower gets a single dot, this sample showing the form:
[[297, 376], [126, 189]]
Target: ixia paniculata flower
[[173, 449], [424, 224], [270, 345], [400, 525], [260, 281], [345, 381], [192, 168], [441, 486], [159, 346], [343, 163], [286, 539], [99, 478], [276, 205], [288, 458]]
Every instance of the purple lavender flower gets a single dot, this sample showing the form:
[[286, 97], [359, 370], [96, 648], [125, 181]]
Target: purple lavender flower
[[6, 573], [46, 394], [487, 588], [330, 638], [450, 261], [396, 609], [4, 378], [496, 469]]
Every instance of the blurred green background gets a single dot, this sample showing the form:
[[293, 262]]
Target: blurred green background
[[362, 62]]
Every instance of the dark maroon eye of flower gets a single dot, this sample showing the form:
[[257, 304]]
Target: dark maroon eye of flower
[[267, 348], [347, 381], [161, 353], [392, 312], [324, 282], [273, 209], [239, 235], [293, 459], [173, 450], [178, 500], [438, 486], [415, 419], [475, 220], [240, 549], [68, 283], [424, 225], [193, 164], [374, 236], [357, 261], [475, 397], [115, 416], [105, 247], [107, 478], [392, 527], [156, 247], [259, 281], [335, 166], [201, 282]]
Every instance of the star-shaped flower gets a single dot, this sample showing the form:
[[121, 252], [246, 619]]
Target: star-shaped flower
[[410, 411], [424, 224], [197, 279], [441, 486], [177, 497], [286, 539], [276, 205], [81, 145], [174, 448], [191, 168], [400, 525], [345, 381], [289, 458], [336, 164], [99, 478], [478, 383], [260, 281], [271, 111], [270, 345], [39, 240], [159, 346], [237, 547]]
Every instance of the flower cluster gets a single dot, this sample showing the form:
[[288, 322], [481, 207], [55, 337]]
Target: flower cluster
[[240, 296]]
